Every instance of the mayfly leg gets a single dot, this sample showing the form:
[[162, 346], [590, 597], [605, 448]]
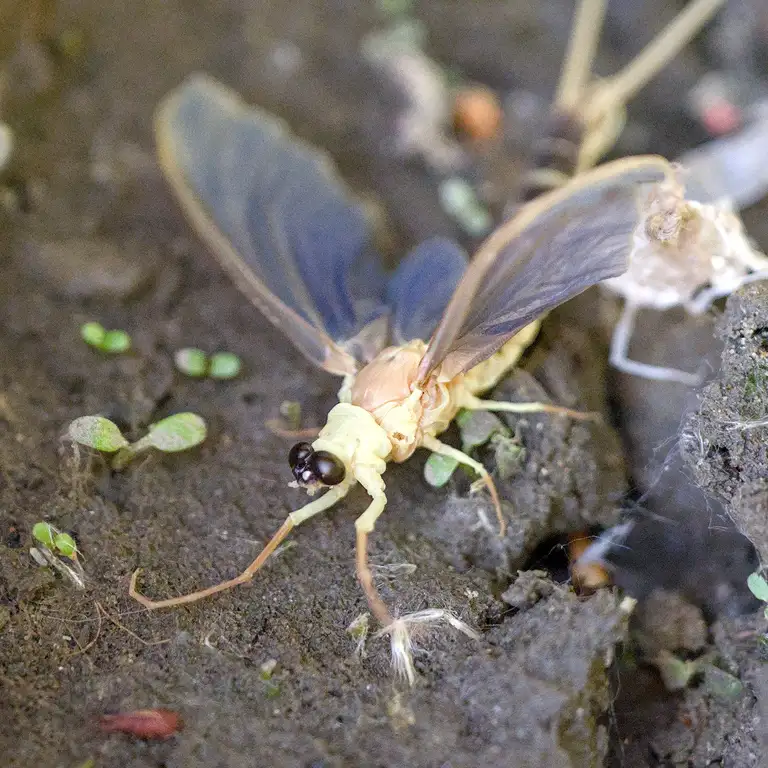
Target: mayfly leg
[[436, 446], [619, 354], [616, 91], [582, 47], [476, 404], [295, 518], [364, 525]]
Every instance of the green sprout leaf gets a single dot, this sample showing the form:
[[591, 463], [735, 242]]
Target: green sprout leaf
[[459, 200], [191, 361], [224, 365], [438, 469], [44, 533], [93, 334], [65, 545], [509, 455], [113, 342], [395, 7], [758, 586], [116, 342], [477, 428], [177, 433], [97, 432]]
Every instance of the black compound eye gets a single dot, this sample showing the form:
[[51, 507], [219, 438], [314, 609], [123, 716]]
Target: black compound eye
[[299, 454], [327, 468]]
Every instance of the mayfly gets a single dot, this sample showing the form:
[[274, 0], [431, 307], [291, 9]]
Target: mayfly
[[694, 250], [412, 349]]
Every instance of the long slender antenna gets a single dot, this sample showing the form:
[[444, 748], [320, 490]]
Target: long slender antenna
[[582, 46], [617, 90]]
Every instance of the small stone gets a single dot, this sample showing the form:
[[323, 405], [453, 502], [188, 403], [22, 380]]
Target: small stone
[[722, 685], [666, 621], [84, 268], [528, 588]]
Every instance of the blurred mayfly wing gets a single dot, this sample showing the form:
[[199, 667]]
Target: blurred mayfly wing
[[555, 247], [730, 168], [287, 230], [422, 286]]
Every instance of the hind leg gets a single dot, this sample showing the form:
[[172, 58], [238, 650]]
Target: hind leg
[[619, 359]]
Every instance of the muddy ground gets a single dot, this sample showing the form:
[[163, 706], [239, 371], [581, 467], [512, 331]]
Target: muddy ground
[[89, 231]]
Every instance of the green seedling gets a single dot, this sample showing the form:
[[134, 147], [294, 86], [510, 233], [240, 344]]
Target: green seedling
[[93, 334], [439, 469], [55, 544], [65, 545], [266, 673], [55, 540], [191, 362], [97, 432], [44, 533], [461, 203], [290, 410], [112, 342], [224, 365], [171, 435], [509, 454], [758, 586], [476, 428], [195, 363]]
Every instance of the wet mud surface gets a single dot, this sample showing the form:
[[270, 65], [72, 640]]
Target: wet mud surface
[[92, 232]]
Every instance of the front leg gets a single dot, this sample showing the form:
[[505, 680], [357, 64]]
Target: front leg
[[295, 518], [619, 355], [364, 525]]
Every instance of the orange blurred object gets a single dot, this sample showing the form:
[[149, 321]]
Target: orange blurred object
[[477, 112], [587, 577]]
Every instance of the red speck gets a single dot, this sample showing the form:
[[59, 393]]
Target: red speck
[[143, 723], [721, 118]]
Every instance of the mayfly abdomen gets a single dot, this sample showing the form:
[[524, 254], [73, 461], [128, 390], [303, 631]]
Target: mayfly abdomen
[[484, 376]]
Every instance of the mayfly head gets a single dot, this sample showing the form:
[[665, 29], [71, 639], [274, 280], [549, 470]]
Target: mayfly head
[[311, 467]]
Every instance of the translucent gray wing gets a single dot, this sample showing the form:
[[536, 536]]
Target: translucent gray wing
[[554, 248], [422, 286], [277, 217], [731, 168]]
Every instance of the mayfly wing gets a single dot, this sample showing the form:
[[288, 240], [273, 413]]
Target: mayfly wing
[[277, 217], [422, 285], [730, 168], [554, 248]]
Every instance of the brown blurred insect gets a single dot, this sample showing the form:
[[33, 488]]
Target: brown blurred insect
[[284, 227], [588, 114], [710, 255]]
